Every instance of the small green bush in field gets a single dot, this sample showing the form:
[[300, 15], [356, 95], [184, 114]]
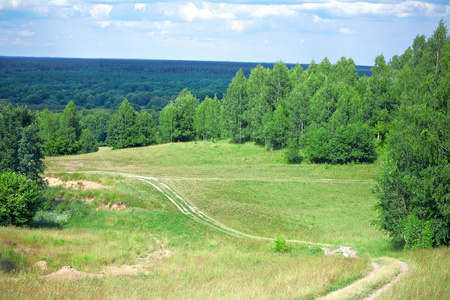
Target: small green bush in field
[[280, 245], [19, 199]]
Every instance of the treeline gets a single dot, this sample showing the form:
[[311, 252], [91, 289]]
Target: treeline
[[104, 83], [326, 112]]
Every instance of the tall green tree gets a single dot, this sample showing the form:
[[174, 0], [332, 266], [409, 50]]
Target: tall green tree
[[185, 108], [123, 131], [258, 102], [234, 109], [70, 126], [414, 186], [168, 124], [20, 145], [48, 124]]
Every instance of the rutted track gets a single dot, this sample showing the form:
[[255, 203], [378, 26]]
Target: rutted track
[[353, 291]]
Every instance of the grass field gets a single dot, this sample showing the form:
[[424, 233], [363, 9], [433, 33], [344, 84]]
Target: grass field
[[244, 187]]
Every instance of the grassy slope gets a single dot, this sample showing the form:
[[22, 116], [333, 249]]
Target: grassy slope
[[243, 186]]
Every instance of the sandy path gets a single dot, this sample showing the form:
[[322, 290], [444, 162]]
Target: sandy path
[[187, 208]]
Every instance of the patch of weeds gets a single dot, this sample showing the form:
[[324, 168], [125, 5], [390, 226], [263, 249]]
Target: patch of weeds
[[314, 250], [10, 261], [280, 245], [56, 213], [341, 284]]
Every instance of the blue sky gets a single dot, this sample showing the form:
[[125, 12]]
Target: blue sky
[[239, 30]]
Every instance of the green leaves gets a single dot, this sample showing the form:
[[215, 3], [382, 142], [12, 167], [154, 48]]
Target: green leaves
[[19, 198], [414, 191], [129, 129]]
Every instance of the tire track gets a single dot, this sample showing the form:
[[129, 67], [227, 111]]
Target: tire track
[[352, 291]]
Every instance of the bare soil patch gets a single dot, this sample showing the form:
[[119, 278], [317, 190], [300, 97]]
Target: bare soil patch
[[79, 184]]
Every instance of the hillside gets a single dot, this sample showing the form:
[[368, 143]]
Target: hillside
[[242, 186]]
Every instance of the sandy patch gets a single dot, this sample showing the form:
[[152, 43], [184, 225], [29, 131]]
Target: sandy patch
[[344, 251], [69, 273], [79, 184]]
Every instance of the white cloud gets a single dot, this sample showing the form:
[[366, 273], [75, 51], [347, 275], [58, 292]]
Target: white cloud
[[346, 30], [237, 25], [101, 11], [26, 33], [263, 11], [191, 12], [209, 11], [140, 6], [318, 19]]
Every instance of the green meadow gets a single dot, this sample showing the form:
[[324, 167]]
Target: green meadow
[[151, 250]]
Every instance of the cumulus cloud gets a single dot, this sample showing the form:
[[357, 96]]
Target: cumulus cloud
[[208, 11], [140, 6], [263, 11], [101, 11]]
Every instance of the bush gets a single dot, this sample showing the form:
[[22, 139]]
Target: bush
[[19, 199], [292, 153], [280, 245], [417, 233]]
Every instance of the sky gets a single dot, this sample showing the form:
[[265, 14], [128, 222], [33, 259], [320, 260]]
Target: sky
[[233, 30]]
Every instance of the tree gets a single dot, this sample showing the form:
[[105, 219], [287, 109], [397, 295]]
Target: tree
[[48, 124], [258, 102], [88, 142], [123, 131], [185, 108], [213, 118], [234, 109], [70, 123], [20, 145], [279, 83], [414, 185], [97, 123], [147, 129], [168, 123], [30, 154]]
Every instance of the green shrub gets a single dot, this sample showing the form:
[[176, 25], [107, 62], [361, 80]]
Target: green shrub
[[417, 233], [280, 245], [292, 153], [19, 199]]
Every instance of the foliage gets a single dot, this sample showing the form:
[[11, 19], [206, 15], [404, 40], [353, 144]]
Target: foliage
[[417, 233], [415, 180], [280, 245], [88, 142], [127, 128], [347, 143], [20, 145], [235, 104], [292, 153], [19, 199]]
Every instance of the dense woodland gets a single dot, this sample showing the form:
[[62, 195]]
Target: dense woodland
[[104, 83], [326, 113]]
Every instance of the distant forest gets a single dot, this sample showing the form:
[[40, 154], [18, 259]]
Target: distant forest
[[104, 83]]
